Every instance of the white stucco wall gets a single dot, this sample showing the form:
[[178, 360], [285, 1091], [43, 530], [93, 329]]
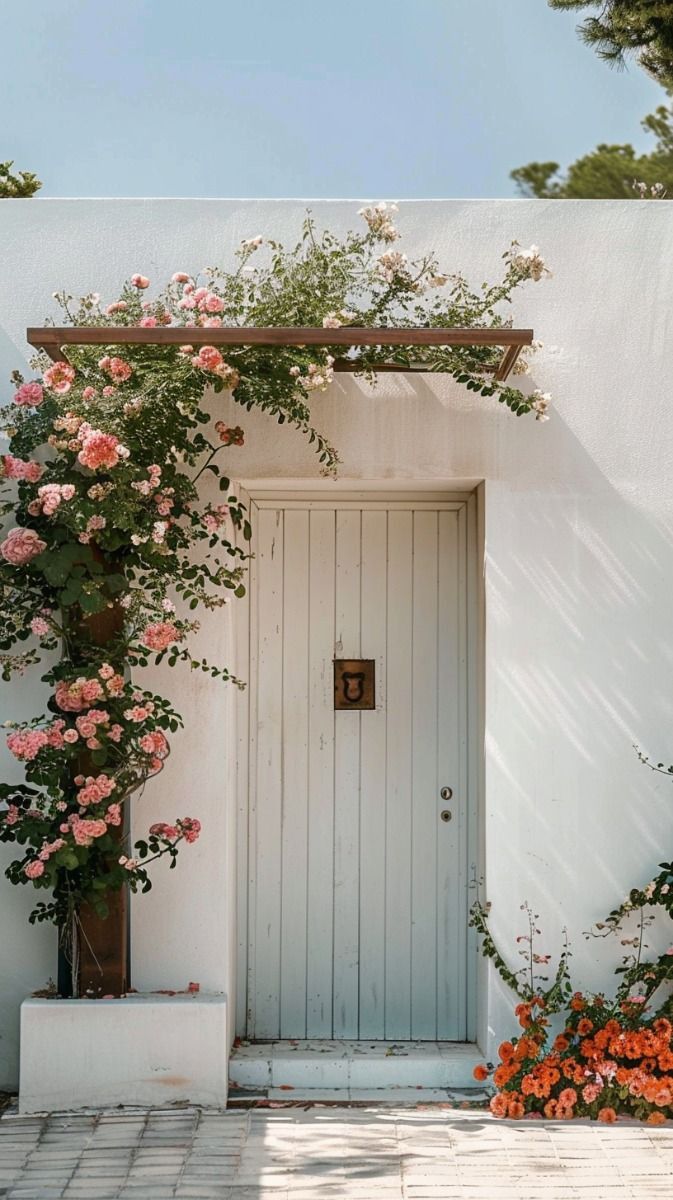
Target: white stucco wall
[[579, 556]]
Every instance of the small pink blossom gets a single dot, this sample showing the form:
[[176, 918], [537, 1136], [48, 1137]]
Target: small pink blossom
[[138, 714], [189, 828], [25, 744], [160, 635], [148, 322], [211, 303], [99, 450], [140, 281], [117, 306], [70, 736], [50, 496], [77, 694], [180, 277], [229, 435], [59, 377], [88, 393], [11, 815], [117, 368], [162, 830], [20, 468], [39, 626], [29, 394], [154, 743], [21, 545], [34, 869], [95, 789]]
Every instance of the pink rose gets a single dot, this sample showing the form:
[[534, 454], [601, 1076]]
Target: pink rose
[[21, 545], [29, 394], [162, 830], [140, 281], [34, 869], [20, 468], [180, 277], [160, 635], [212, 303], [148, 322], [190, 828], [58, 378]]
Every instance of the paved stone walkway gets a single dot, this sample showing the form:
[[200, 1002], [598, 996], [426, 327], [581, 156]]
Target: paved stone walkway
[[323, 1152]]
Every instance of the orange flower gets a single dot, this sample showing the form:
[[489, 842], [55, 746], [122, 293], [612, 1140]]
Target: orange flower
[[522, 1011], [584, 1026], [568, 1097], [564, 1112], [480, 1072], [607, 1115], [526, 1047], [503, 1074], [666, 1060], [561, 1043], [577, 1002], [499, 1105], [656, 1118], [506, 1051], [550, 1109], [663, 1028]]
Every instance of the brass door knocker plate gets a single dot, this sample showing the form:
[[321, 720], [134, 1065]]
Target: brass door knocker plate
[[354, 683]]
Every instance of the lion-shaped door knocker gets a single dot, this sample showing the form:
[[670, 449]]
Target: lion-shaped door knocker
[[354, 683]]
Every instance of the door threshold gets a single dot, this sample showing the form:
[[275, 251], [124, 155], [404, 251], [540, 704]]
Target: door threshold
[[350, 1067]]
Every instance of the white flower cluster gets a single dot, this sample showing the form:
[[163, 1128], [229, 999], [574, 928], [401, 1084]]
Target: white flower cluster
[[379, 218], [530, 262], [336, 320], [317, 377], [249, 245], [392, 265], [657, 190], [540, 402]]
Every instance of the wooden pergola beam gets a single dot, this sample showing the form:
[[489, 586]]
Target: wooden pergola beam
[[54, 340]]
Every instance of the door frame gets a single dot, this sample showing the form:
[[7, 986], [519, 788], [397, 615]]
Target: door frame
[[467, 498]]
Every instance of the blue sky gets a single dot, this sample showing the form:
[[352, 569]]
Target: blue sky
[[307, 98]]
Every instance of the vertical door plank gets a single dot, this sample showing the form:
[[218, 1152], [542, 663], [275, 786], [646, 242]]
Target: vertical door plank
[[321, 776], [295, 775], [398, 777], [347, 785], [373, 781], [451, 700], [426, 805], [268, 774]]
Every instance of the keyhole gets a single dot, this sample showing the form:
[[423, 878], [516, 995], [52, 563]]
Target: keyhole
[[445, 814]]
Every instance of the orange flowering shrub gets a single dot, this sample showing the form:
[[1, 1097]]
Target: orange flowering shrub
[[608, 1060], [613, 1057]]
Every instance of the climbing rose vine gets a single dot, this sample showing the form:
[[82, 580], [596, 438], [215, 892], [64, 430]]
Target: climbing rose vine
[[97, 555]]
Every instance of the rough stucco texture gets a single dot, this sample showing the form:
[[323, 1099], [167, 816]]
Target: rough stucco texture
[[578, 566]]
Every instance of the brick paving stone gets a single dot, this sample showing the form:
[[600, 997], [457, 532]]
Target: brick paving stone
[[324, 1152]]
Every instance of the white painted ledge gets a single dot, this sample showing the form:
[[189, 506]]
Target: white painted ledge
[[139, 1050]]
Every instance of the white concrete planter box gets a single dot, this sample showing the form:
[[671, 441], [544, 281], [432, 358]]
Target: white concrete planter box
[[139, 1050]]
